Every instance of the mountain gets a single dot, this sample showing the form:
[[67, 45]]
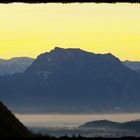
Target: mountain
[[14, 65], [10, 125], [131, 125], [134, 65], [73, 81], [101, 124]]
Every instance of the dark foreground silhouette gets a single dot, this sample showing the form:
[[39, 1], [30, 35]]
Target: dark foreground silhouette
[[10, 126], [85, 138]]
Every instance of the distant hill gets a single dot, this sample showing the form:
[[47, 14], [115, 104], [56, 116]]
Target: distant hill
[[101, 124], [131, 125], [73, 81], [14, 65], [96, 129], [10, 125], [134, 65]]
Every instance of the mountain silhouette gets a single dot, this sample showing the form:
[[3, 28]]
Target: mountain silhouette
[[14, 65], [134, 65], [73, 80], [106, 124], [10, 125], [101, 124]]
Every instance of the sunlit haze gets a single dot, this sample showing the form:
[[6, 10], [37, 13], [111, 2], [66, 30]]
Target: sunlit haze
[[31, 29], [61, 120]]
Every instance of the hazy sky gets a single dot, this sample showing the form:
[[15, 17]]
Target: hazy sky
[[31, 29]]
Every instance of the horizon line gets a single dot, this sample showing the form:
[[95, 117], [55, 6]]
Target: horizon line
[[14, 57]]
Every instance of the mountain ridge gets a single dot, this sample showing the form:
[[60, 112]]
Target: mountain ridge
[[101, 123], [14, 65], [129, 125], [73, 80], [134, 65]]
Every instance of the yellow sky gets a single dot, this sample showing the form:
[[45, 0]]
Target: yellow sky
[[31, 29]]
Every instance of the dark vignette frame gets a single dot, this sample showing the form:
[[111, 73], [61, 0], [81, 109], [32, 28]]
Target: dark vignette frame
[[69, 1]]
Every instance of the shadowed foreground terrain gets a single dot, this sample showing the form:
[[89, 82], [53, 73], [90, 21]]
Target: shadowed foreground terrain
[[10, 125], [88, 138]]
